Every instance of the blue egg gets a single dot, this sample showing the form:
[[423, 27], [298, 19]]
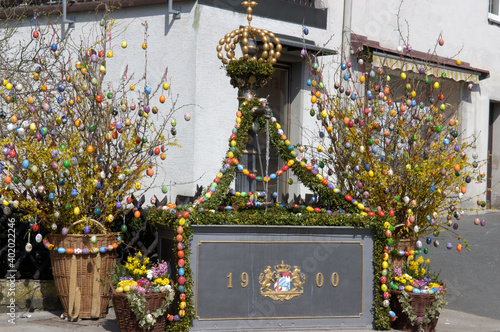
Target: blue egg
[[392, 314], [239, 167], [309, 82], [275, 194], [446, 141], [103, 249], [367, 167], [181, 289], [52, 196], [60, 99], [432, 188], [416, 291], [44, 131], [53, 47], [413, 102], [228, 207], [272, 176], [428, 240], [369, 95], [61, 250], [26, 163], [61, 87], [62, 182], [346, 76], [181, 271], [98, 185], [258, 204], [321, 134], [343, 66], [306, 31], [291, 147], [147, 90]]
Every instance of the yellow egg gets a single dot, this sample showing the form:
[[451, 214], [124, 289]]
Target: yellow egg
[[403, 76], [165, 86], [320, 148], [102, 69], [436, 85], [109, 54], [132, 87], [370, 173], [459, 62], [119, 289], [8, 86], [76, 211], [124, 44], [137, 186]]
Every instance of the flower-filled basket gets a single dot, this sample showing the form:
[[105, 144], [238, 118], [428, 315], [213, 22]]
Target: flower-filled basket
[[79, 264], [141, 296], [416, 301]]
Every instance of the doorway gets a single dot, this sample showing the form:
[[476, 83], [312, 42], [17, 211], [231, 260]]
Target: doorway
[[277, 92]]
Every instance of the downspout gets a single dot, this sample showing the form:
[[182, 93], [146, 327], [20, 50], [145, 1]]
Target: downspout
[[346, 31]]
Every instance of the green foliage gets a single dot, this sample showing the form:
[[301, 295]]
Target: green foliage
[[246, 68]]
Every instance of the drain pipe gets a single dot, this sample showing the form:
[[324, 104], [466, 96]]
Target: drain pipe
[[177, 13], [71, 24], [346, 31]]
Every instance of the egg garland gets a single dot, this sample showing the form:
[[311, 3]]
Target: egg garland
[[82, 251]]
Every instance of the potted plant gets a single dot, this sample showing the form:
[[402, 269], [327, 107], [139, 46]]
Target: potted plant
[[418, 297], [141, 294], [76, 147]]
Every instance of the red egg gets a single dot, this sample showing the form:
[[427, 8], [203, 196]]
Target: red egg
[[35, 34]]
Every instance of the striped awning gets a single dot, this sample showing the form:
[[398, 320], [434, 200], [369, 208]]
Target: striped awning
[[408, 64]]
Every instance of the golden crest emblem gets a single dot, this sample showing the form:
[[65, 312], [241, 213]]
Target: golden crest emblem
[[281, 284]]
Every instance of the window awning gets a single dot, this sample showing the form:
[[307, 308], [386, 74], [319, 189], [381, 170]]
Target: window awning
[[409, 64], [433, 64]]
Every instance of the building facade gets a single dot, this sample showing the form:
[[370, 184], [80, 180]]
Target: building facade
[[182, 36]]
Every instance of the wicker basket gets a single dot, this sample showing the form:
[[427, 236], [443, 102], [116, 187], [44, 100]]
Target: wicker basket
[[127, 320], [88, 301], [419, 303], [405, 245]]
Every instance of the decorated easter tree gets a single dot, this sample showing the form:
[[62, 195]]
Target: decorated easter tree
[[394, 141], [76, 145]]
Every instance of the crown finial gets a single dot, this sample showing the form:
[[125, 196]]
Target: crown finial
[[248, 37], [249, 5]]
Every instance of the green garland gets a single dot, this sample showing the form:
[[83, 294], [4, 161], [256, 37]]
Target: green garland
[[246, 68], [138, 305], [430, 312]]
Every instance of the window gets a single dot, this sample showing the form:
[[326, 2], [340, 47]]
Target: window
[[493, 16], [308, 3]]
